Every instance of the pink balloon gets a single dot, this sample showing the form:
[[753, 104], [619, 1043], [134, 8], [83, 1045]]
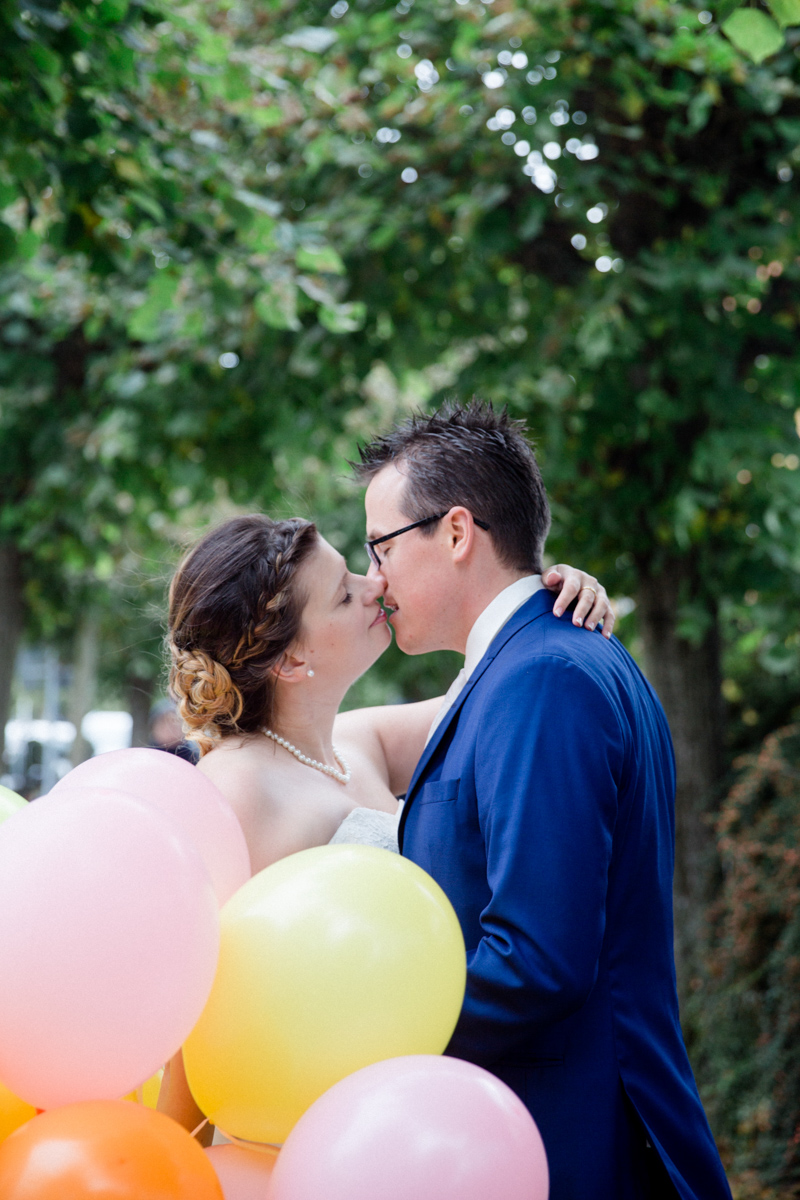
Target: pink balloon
[[182, 793], [244, 1174], [109, 938], [416, 1128]]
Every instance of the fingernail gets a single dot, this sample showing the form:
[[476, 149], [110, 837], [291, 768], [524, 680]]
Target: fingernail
[[589, 625], [579, 621], [557, 612]]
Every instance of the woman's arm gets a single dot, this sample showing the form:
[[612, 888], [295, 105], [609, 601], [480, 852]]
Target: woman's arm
[[177, 1101], [392, 735]]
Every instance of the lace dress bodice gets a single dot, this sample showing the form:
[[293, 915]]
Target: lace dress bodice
[[368, 827]]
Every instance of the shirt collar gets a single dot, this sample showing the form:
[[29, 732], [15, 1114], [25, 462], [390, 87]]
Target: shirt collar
[[494, 617]]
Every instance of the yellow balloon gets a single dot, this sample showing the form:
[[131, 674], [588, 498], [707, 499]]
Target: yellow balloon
[[10, 802], [13, 1111], [331, 959], [147, 1094]]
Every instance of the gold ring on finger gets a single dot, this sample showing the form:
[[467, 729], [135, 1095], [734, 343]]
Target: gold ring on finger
[[586, 588]]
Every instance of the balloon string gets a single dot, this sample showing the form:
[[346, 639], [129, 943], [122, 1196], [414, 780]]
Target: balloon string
[[270, 1148], [202, 1124]]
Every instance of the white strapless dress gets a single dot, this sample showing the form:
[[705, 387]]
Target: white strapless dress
[[368, 827]]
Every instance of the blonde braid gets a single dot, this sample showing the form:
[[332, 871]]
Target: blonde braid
[[207, 696]]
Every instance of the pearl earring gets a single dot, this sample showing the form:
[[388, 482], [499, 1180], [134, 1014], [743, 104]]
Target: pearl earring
[[310, 674]]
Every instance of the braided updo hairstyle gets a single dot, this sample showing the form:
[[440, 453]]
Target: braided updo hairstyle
[[234, 611]]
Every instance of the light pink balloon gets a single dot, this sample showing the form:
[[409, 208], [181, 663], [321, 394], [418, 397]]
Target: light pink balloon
[[416, 1128], [244, 1174], [182, 793], [109, 938]]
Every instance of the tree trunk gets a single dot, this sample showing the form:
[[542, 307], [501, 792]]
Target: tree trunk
[[686, 677], [11, 621], [140, 699], [84, 683]]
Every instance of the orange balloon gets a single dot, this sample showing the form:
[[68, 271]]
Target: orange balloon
[[105, 1150]]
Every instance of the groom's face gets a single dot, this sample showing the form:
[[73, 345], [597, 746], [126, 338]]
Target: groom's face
[[417, 568]]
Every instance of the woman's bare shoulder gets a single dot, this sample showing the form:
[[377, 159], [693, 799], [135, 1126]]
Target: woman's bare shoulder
[[275, 819], [243, 776]]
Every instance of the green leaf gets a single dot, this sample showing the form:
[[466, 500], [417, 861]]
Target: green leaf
[[260, 235], [724, 9], [147, 204], [785, 12], [111, 11], [212, 48], [146, 324], [8, 242], [27, 244], [265, 117], [383, 236], [323, 260], [699, 111], [45, 59], [753, 33], [128, 169], [344, 318], [236, 84], [276, 305]]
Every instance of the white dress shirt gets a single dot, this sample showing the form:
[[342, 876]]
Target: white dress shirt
[[496, 614]]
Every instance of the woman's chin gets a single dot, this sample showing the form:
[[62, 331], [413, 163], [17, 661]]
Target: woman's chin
[[382, 639], [378, 647]]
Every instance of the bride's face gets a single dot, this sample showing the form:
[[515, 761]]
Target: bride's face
[[344, 629]]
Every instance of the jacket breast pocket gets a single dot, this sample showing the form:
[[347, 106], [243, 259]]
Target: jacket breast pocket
[[440, 792]]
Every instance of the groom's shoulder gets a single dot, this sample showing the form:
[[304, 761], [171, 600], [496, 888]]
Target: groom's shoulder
[[537, 638]]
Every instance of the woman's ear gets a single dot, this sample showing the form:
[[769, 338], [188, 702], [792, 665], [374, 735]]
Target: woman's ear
[[290, 669]]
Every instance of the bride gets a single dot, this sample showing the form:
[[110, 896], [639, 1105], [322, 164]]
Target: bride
[[268, 629]]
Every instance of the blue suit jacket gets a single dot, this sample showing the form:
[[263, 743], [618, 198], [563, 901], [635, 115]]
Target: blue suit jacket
[[544, 807]]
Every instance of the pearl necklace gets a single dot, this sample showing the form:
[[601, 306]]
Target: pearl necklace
[[341, 776]]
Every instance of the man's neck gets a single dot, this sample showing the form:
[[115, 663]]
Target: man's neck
[[478, 596]]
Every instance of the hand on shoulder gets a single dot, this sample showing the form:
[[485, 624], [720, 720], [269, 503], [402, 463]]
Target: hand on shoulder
[[593, 604]]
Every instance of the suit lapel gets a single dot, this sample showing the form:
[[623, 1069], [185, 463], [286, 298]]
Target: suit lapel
[[539, 604]]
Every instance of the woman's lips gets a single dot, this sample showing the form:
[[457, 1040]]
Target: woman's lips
[[384, 616]]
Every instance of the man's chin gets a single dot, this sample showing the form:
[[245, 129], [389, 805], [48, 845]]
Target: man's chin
[[406, 643]]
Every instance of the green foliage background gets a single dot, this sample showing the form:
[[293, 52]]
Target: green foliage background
[[236, 238]]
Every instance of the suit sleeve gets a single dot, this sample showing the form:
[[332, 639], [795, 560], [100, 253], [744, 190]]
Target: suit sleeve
[[549, 762]]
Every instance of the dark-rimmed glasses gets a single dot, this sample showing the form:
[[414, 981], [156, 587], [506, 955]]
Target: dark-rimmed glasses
[[370, 546]]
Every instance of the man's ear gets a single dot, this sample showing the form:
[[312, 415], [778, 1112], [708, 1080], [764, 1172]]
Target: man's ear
[[460, 528], [292, 668]]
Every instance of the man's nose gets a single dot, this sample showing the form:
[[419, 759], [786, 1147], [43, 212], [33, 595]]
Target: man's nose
[[376, 581]]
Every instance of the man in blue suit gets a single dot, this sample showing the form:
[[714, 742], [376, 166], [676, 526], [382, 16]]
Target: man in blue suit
[[544, 806]]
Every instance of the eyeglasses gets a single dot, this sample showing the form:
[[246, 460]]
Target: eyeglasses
[[370, 546]]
